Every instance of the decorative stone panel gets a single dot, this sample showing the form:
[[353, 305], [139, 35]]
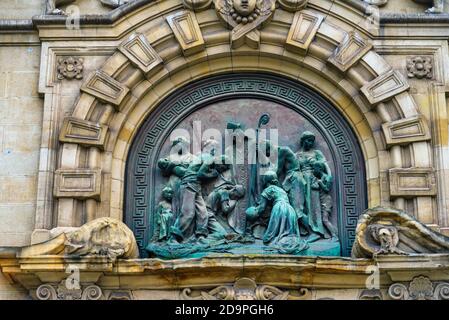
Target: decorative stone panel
[[141, 54], [412, 182], [105, 88], [83, 132], [405, 131], [187, 31], [78, 183], [385, 87], [303, 30], [350, 51]]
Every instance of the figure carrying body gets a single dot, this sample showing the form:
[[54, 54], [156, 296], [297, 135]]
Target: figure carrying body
[[192, 220], [222, 201], [307, 156]]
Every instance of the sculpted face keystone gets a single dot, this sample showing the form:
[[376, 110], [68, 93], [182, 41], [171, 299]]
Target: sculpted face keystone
[[245, 7]]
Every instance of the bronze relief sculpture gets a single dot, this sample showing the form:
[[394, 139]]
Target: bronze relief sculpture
[[201, 213]]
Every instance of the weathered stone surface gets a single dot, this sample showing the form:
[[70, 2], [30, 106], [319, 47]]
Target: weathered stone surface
[[420, 288], [140, 52], [385, 87], [406, 131], [102, 86], [83, 132], [187, 31], [350, 51], [409, 182], [30, 101], [78, 183], [302, 31], [390, 231], [293, 5], [105, 237]]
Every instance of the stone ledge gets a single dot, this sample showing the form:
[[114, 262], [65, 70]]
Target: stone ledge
[[156, 274]]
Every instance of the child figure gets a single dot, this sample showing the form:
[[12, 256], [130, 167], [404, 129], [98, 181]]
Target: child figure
[[322, 183], [164, 214]]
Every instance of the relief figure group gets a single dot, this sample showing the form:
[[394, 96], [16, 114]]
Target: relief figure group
[[199, 207]]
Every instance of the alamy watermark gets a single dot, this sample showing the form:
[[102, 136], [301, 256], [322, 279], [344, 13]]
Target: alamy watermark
[[228, 146]]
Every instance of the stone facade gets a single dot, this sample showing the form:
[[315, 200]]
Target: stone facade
[[75, 90]]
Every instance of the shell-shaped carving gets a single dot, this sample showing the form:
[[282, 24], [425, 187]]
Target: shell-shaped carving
[[391, 231]]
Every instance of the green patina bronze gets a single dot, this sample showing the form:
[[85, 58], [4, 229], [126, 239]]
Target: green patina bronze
[[292, 217]]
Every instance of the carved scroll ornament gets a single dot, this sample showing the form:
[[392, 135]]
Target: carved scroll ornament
[[62, 292], [420, 288], [390, 231], [245, 289]]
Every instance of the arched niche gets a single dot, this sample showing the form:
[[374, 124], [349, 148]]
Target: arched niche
[[243, 97]]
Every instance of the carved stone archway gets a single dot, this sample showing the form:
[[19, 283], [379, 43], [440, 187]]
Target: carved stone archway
[[317, 46], [347, 159]]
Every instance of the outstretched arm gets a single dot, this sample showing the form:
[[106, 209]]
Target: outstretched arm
[[206, 170], [253, 213], [262, 205]]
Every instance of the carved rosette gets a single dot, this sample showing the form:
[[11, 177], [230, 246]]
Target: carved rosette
[[62, 292], [70, 68], [245, 289], [420, 67], [420, 288]]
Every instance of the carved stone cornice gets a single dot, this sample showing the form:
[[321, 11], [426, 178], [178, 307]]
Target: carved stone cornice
[[271, 277]]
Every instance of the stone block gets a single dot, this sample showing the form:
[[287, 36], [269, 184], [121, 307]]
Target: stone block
[[15, 219], [302, 31], [187, 31], [384, 87], [78, 183], [405, 131], [23, 84], [412, 182], [17, 189], [83, 132], [141, 54], [105, 88], [350, 51]]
